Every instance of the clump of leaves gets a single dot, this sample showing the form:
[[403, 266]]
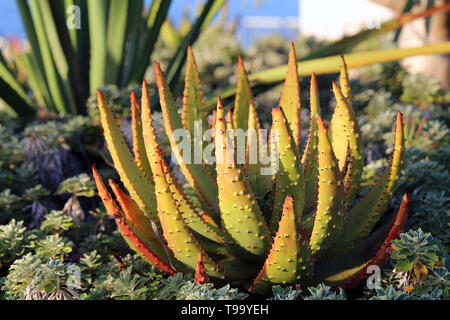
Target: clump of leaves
[[35, 278], [130, 286], [419, 264], [416, 249], [56, 222], [288, 293], [14, 241], [179, 287], [324, 292], [80, 185], [390, 293], [421, 90], [54, 246]]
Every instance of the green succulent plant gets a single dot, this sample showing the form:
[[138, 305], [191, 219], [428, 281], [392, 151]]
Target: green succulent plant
[[299, 225]]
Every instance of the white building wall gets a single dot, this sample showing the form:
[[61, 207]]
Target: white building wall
[[332, 19]]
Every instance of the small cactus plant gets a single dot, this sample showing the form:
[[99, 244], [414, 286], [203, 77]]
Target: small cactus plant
[[299, 225]]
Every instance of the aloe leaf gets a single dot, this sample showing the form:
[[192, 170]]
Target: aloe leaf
[[344, 134], [366, 213], [330, 212], [273, 76], [288, 171], [244, 226], [193, 115], [290, 97], [199, 222], [150, 250], [309, 157], [139, 186], [140, 154], [195, 173], [243, 99], [132, 212], [180, 240], [384, 252], [289, 260], [259, 182]]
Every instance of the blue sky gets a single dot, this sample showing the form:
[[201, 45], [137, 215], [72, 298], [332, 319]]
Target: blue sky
[[10, 24]]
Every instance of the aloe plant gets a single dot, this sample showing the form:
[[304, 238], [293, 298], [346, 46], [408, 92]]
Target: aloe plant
[[112, 44], [297, 226]]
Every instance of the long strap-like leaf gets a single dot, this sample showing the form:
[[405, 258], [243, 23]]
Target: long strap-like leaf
[[156, 16], [115, 38], [98, 13], [12, 92], [274, 76]]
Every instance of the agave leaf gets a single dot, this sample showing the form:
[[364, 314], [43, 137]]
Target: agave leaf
[[30, 30], [151, 251], [35, 79], [53, 79], [290, 258], [98, 13], [115, 38], [132, 40], [196, 174], [290, 97], [156, 15], [57, 51], [242, 220], [273, 76], [13, 93], [366, 213], [329, 216], [309, 157], [209, 9], [243, 99], [289, 174], [139, 186]]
